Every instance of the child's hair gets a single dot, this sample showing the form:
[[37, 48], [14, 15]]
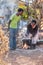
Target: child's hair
[[20, 9], [34, 21]]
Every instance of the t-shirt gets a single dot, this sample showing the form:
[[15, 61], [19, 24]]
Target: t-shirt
[[14, 20], [31, 30]]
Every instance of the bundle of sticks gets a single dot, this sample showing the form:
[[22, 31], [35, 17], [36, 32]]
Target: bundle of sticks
[[4, 40]]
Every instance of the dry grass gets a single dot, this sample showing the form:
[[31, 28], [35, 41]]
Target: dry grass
[[4, 40]]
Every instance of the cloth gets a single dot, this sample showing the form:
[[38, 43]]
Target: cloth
[[31, 30], [14, 21], [35, 38], [12, 39]]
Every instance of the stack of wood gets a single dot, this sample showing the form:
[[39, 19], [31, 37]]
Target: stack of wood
[[4, 40], [41, 24]]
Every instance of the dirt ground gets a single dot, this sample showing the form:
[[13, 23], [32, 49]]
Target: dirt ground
[[23, 57]]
